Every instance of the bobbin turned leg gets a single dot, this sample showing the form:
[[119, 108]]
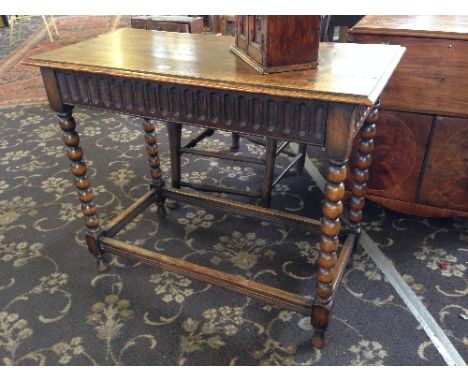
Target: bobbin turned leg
[[85, 194], [330, 227], [361, 170], [154, 163]]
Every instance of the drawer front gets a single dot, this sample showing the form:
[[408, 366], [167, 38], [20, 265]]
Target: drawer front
[[400, 146], [445, 179], [168, 26], [431, 77]]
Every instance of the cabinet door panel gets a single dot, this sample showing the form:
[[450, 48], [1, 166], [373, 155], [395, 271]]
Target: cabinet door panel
[[242, 36], [257, 27], [400, 146], [445, 182]]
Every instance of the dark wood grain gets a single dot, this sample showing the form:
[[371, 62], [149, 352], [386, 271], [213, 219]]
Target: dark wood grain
[[278, 43], [445, 182], [400, 147]]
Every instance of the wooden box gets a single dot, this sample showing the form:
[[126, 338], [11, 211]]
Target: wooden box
[[181, 24], [277, 43], [421, 147]]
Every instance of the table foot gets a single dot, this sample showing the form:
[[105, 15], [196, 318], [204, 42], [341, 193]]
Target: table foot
[[102, 265], [318, 339], [319, 319]]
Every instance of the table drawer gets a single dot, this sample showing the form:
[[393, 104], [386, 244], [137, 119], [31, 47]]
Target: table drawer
[[431, 77]]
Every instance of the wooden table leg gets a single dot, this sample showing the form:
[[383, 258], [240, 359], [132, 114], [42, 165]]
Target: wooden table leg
[[269, 171], [330, 227], [152, 149], [361, 170], [174, 131], [71, 139]]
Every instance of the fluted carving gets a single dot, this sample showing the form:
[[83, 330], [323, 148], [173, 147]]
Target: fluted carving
[[281, 117]]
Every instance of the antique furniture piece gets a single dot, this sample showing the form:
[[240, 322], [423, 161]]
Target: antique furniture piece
[[277, 43], [224, 24], [183, 24], [194, 79], [422, 145]]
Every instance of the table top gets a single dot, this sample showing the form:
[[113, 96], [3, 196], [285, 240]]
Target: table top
[[453, 27], [349, 73]]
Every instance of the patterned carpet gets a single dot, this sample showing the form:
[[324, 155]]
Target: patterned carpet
[[55, 310]]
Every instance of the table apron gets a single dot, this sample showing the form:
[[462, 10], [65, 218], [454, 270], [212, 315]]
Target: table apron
[[296, 120]]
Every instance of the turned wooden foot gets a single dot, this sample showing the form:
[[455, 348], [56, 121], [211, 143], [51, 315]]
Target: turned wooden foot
[[78, 168], [152, 149], [320, 319]]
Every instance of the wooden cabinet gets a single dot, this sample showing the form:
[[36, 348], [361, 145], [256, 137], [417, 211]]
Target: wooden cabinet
[[445, 181], [278, 43], [421, 152], [400, 147], [181, 24]]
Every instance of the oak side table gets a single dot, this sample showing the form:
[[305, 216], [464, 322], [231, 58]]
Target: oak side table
[[195, 80]]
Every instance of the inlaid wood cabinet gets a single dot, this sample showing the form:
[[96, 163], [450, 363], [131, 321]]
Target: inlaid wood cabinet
[[421, 152]]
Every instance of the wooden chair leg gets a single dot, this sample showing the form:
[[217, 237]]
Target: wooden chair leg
[[52, 21], [48, 29]]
